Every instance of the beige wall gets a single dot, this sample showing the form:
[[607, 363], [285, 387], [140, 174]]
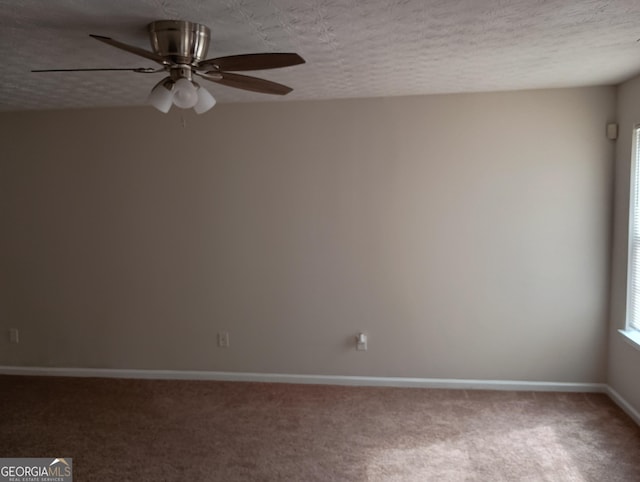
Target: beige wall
[[624, 359], [468, 235]]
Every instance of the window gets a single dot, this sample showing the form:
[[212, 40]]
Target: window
[[633, 269]]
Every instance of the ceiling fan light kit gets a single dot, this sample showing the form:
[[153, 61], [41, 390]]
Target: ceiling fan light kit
[[179, 89], [180, 47]]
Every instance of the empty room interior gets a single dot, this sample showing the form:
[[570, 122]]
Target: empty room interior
[[321, 240]]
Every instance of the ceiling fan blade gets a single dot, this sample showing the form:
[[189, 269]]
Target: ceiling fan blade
[[252, 62], [130, 48], [141, 70], [245, 82]]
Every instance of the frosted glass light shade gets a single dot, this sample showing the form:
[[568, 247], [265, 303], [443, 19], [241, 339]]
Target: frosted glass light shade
[[186, 95], [160, 96], [205, 101]]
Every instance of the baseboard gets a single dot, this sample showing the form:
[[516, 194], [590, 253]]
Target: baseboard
[[623, 404], [450, 383]]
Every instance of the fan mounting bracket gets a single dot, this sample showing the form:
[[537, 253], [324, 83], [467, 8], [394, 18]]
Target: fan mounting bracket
[[179, 41]]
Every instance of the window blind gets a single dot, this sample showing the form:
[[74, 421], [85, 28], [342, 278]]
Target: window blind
[[633, 308]]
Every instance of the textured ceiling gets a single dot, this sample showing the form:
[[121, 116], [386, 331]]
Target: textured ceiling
[[353, 48]]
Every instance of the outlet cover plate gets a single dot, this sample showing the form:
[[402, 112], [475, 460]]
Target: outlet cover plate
[[223, 339]]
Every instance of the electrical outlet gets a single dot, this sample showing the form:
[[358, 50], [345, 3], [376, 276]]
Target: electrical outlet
[[14, 335], [223, 339], [361, 342]]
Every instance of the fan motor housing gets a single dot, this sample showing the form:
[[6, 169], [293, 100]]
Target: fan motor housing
[[179, 41]]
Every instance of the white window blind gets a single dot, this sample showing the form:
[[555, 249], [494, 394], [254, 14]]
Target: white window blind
[[633, 308]]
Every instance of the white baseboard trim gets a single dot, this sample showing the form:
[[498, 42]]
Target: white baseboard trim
[[450, 383], [623, 404]]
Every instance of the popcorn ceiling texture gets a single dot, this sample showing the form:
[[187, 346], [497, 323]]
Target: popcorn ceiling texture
[[353, 48]]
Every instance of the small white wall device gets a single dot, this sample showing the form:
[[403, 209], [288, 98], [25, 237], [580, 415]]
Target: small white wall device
[[361, 342]]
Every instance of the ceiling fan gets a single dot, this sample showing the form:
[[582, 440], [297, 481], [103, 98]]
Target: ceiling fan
[[180, 47]]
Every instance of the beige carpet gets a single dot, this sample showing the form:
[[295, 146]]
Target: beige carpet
[[141, 430]]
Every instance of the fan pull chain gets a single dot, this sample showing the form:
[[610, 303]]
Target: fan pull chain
[[183, 121]]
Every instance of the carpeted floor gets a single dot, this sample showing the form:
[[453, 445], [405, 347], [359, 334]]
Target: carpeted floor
[[143, 430]]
